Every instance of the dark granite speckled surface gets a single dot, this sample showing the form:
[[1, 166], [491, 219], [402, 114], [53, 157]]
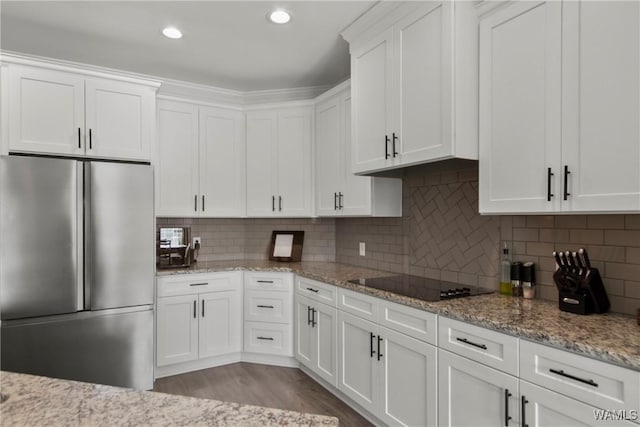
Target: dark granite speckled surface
[[612, 338], [41, 401]]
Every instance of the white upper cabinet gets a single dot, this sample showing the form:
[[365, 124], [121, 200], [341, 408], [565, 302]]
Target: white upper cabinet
[[64, 113], [601, 105], [279, 162], [200, 161], [414, 84], [573, 146], [176, 164], [222, 156], [338, 191]]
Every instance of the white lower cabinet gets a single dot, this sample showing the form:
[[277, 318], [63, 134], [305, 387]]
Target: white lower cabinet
[[546, 408], [316, 327], [198, 317], [472, 394], [268, 320], [389, 374]]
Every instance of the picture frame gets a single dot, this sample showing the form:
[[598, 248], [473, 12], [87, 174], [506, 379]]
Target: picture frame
[[286, 246]]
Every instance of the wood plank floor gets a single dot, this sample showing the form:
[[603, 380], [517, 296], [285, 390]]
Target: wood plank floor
[[262, 385]]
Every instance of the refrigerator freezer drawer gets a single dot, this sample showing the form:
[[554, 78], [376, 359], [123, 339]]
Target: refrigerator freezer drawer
[[113, 347]]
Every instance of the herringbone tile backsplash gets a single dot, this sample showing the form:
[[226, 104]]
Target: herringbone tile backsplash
[[442, 236]]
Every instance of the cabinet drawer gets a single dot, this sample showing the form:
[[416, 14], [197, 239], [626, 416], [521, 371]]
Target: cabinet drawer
[[492, 348], [410, 321], [269, 338], [591, 381], [317, 291], [268, 306], [358, 304], [268, 281], [185, 284]]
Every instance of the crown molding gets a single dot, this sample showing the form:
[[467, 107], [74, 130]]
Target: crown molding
[[76, 67], [174, 89], [344, 86]]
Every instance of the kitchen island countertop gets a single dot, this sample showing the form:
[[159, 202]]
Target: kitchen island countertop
[[610, 337], [31, 400]]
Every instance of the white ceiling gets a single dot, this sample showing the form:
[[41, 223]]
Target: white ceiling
[[227, 44]]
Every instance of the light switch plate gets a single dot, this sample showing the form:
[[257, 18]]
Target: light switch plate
[[362, 248], [197, 242]]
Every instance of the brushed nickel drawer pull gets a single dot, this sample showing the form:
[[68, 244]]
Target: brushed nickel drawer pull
[[313, 290], [573, 377], [265, 281], [265, 306], [198, 284], [466, 341], [265, 338]]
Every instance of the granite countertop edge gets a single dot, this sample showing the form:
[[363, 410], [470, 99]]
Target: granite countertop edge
[[534, 320], [42, 401]]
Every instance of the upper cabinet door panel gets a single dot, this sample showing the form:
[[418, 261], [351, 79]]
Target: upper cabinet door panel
[[222, 153], [120, 119], [329, 158], [423, 41], [371, 66], [601, 112], [520, 59], [46, 111], [294, 162], [177, 159], [261, 146]]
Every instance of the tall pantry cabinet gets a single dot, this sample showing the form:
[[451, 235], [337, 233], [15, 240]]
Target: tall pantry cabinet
[[573, 146]]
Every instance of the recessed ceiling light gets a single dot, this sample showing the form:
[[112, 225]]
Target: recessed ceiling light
[[279, 16], [172, 33]]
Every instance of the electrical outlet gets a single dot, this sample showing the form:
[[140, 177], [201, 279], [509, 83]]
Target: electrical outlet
[[197, 242], [362, 247]]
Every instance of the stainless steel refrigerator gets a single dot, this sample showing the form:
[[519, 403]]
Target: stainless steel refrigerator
[[77, 269]]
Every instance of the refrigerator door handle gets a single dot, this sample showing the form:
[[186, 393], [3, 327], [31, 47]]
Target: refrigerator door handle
[[88, 243], [80, 236]]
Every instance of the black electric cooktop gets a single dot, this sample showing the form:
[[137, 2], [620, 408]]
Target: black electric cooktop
[[421, 287]]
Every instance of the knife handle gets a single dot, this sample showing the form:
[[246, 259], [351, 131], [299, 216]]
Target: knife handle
[[556, 256], [572, 264], [585, 258]]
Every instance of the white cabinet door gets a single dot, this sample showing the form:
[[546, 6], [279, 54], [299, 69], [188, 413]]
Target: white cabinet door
[[371, 70], [601, 105], [46, 111], [474, 395], [520, 59], [358, 363], [120, 119], [261, 162], [177, 160], [330, 158], [293, 172], [545, 408], [304, 338], [220, 327], [423, 121], [408, 380], [325, 326], [177, 329], [222, 160]]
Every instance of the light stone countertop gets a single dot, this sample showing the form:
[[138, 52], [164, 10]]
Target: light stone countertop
[[610, 337], [41, 401]]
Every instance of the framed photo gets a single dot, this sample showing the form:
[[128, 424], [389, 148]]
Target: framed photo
[[286, 246]]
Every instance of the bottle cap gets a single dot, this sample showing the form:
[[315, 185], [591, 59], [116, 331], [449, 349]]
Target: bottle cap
[[516, 270], [528, 272]]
